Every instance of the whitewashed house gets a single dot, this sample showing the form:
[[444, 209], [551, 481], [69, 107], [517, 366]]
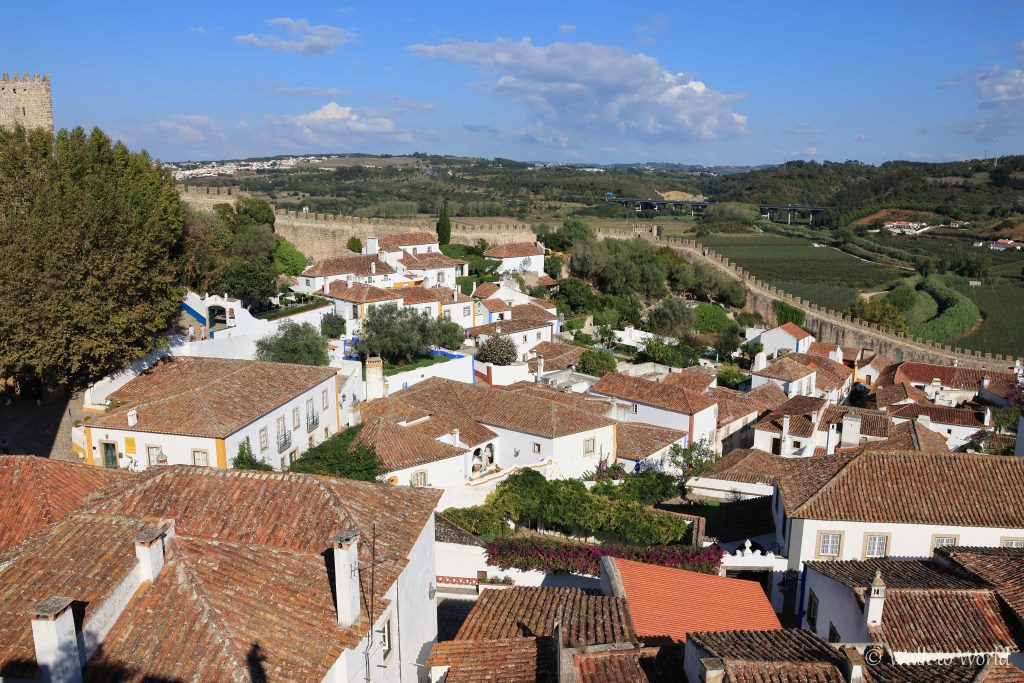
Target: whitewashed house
[[792, 376], [787, 337], [955, 425], [352, 301], [790, 429], [367, 269], [198, 411], [518, 257], [525, 333]]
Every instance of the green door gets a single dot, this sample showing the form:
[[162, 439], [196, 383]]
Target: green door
[[110, 455]]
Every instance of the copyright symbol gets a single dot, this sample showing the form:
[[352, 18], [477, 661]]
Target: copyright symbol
[[873, 656]]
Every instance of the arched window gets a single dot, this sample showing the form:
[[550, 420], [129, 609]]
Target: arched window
[[489, 454], [419, 478], [478, 461]]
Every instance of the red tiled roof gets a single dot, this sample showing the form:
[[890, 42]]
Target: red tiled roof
[[356, 264], [507, 327], [1000, 568], [431, 260], [942, 621], [875, 423], [911, 574], [669, 603], [632, 665], [657, 394], [945, 672], [910, 436], [831, 374], [785, 369], [694, 378], [938, 414], [35, 492], [795, 331], [421, 295], [557, 356], [395, 242], [892, 394], [637, 440], [207, 397], [514, 250], [802, 412], [817, 348], [451, 296], [486, 289], [957, 377], [496, 305], [399, 448], [748, 465], [792, 655], [496, 660], [360, 293], [531, 311], [546, 280]]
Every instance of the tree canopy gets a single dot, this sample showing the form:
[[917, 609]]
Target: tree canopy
[[398, 335], [497, 350], [91, 240], [596, 363], [338, 457], [444, 226], [301, 344]]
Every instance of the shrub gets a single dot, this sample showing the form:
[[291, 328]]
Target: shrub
[[354, 244], [646, 488], [677, 356], [245, 460], [498, 350], [479, 520], [786, 313], [903, 297], [553, 266], [448, 334], [288, 259], [338, 457], [551, 556], [731, 377], [709, 318], [294, 343], [596, 363], [332, 326], [957, 313]]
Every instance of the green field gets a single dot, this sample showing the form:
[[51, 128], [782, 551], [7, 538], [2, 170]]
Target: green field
[[822, 275], [1003, 330]]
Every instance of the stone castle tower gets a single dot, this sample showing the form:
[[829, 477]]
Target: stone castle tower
[[26, 101]]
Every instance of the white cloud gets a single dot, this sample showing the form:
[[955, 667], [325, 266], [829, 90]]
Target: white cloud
[[336, 124], [657, 24], [189, 128], [1000, 93], [307, 90], [566, 28], [585, 88], [862, 137], [402, 104], [197, 29], [299, 36]]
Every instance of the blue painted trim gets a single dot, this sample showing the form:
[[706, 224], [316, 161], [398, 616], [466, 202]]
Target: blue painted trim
[[446, 354], [194, 313], [800, 605]]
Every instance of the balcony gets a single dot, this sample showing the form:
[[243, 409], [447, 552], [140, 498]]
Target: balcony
[[312, 421], [284, 441]]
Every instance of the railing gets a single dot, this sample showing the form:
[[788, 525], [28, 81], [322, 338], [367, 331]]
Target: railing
[[284, 441], [312, 421]]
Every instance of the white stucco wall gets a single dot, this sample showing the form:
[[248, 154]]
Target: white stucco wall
[[522, 264]]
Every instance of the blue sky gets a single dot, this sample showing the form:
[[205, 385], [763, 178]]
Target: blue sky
[[716, 83]]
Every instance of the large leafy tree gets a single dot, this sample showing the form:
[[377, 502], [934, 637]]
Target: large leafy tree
[[398, 335], [294, 343], [91, 242]]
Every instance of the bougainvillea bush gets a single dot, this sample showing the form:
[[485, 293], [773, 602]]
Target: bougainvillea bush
[[552, 556]]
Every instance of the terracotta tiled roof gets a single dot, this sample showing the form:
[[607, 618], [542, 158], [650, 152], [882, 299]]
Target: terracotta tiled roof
[[502, 327], [496, 660], [399, 447], [785, 369], [831, 374], [546, 280], [667, 603], [781, 672], [486, 289], [632, 665], [1001, 568], [496, 305], [431, 260], [515, 250], [958, 489], [695, 378], [817, 348], [795, 331], [956, 377], [356, 264], [748, 465], [360, 293], [915, 574], [735, 405], [447, 531], [420, 295], [945, 672], [451, 296], [408, 239], [657, 394], [35, 492], [874, 423], [851, 354], [531, 611], [805, 477], [392, 410], [791, 645], [556, 356], [207, 397], [909, 436], [592, 404], [892, 394], [938, 414], [637, 440], [532, 311], [802, 412], [942, 621]]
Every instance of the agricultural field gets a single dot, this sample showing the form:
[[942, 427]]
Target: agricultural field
[[1003, 329], [822, 275]]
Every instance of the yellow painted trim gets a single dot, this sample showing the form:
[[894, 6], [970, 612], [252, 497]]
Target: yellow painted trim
[[440, 310], [615, 444], [474, 312], [88, 446], [94, 411], [222, 454]]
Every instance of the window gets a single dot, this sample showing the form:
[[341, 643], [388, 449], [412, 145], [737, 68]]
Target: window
[[1012, 543], [385, 639], [201, 458], [524, 337], [152, 454], [833, 634], [415, 250], [812, 611], [538, 335], [876, 545], [943, 541], [440, 277], [419, 478], [327, 432], [829, 543], [536, 447], [588, 446], [264, 441], [295, 417], [635, 408], [796, 444], [309, 407], [324, 400], [355, 311], [465, 310], [280, 425]]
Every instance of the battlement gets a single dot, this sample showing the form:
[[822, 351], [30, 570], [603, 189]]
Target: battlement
[[45, 78]]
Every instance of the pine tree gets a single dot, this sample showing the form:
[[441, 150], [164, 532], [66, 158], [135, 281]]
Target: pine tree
[[444, 226]]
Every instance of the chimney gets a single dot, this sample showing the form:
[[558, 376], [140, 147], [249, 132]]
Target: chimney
[[133, 417], [853, 664], [785, 430], [833, 438], [455, 438], [851, 430], [924, 420], [760, 362], [474, 288], [540, 368], [345, 549], [713, 670], [373, 267], [56, 641], [987, 416], [371, 246], [875, 601], [983, 383], [374, 378], [497, 329], [149, 548]]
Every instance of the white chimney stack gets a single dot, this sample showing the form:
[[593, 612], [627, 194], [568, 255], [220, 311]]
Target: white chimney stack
[[875, 602], [149, 549], [851, 430], [540, 367], [371, 245], [832, 439], [345, 549], [56, 641], [133, 417], [785, 430], [455, 438]]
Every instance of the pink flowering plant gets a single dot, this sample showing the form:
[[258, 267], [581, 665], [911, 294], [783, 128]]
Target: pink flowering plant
[[531, 553]]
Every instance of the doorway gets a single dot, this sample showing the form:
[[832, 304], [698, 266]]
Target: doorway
[[109, 454]]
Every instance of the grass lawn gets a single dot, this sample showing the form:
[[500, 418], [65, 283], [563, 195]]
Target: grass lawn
[[421, 362], [1003, 329]]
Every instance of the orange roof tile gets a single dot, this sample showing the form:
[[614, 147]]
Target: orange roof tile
[[938, 414], [695, 378], [355, 264], [657, 394], [668, 603], [360, 293], [486, 289], [795, 331], [508, 327], [638, 440], [399, 447], [496, 305], [395, 242], [785, 369], [515, 250]]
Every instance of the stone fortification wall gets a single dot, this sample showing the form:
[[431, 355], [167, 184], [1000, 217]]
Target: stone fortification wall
[[26, 101]]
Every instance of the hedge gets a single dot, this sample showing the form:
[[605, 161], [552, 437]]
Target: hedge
[[275, 313], [786, 313], [709, 318], [552, 556]]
